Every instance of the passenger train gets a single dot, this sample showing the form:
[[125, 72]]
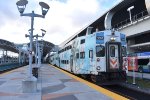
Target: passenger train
[[98, 56]]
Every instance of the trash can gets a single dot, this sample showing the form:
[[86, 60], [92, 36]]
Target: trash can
[[35, 72]]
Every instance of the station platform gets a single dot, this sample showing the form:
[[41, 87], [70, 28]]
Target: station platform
[[139, 75], [52, 84]]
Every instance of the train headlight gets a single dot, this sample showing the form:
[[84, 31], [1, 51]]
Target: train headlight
[[98, 59], [112, 38], [98, 67]]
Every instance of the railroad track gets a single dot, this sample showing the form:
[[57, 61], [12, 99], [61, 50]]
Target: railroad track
[[128, 93], [118, 89]]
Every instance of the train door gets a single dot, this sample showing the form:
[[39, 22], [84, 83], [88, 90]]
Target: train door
[[71, 63], [58, 61], [113, 56], [91, 58]]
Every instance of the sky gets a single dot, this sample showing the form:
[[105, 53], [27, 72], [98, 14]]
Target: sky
[[64, 18]]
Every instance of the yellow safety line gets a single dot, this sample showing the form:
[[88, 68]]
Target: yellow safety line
[[98, 88]]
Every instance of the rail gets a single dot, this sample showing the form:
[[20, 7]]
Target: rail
[[135, 18]]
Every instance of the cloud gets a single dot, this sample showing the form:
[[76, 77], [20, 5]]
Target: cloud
[[65, 18]]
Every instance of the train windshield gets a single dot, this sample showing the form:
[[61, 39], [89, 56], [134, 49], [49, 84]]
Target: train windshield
[[100, 51], [112, 51]]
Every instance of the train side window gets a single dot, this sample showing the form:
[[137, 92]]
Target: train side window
[[100, 51], [82, 41], [90, 53], [112, 51], [82, 55], [65, 61], [77, 55]]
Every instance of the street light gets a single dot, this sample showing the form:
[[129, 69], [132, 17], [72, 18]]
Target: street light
[[129, 9], [21, 5], [36, 36], [40, 51]]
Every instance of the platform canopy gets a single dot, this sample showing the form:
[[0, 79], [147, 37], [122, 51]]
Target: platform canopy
[[6, 45], [47, 46]]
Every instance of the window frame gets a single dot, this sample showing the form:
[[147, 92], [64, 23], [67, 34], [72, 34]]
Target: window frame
[[82, 55], [100, 53], [90, 53], [82, 41], [112, 51]]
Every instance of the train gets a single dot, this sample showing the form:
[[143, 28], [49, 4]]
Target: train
[[139, 62], [97, 56]]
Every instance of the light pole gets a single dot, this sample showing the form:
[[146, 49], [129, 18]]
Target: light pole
[[40, 51], [36, 36], [21, 5], [129, 9]]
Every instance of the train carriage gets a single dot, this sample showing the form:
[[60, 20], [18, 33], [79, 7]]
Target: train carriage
[[98, 55]]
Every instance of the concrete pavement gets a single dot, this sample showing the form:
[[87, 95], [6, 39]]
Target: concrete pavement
[[52, 85]]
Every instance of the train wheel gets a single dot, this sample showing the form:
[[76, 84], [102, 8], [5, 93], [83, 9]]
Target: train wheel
[[93, 78], [84, 76], [140, 69]]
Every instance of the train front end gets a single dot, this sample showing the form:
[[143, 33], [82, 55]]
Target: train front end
[[110, 50]]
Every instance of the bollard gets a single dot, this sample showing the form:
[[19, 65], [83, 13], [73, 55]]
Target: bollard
[[35, 72]]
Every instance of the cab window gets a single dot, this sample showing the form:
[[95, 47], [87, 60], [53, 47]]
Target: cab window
[[112, 51], [100, 51]]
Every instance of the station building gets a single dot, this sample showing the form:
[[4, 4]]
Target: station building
[[131, 17]]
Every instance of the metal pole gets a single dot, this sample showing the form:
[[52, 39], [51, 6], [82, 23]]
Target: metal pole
[[39, 55], [31, 40], [36, 50], [133, 67], [130, 16]]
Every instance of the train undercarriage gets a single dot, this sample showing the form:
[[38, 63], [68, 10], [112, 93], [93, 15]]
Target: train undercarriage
[[106, 78]]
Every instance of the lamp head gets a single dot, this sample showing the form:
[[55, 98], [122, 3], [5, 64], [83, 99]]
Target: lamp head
[[26, 35], [30, 31], [45, 7], [130, 8], [43, 32], [21, 5]]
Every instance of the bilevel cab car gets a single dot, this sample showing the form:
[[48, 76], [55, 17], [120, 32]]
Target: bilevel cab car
[[98, 56]]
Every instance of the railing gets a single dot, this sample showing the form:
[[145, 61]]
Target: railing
[[135, 18]]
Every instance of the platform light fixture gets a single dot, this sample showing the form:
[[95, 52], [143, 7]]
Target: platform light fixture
[[37, 45], [43, 32], [21, 5], [45, 7], [130, 15]]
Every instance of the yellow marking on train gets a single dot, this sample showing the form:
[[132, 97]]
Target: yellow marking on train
[[96, 87]]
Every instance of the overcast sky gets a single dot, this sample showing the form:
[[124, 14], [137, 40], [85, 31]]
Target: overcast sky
[[64, 18]]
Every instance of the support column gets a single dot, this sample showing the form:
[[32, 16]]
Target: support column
[[108, 19], [147, 3], [129, 43], [19, 56], [3, 58]]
